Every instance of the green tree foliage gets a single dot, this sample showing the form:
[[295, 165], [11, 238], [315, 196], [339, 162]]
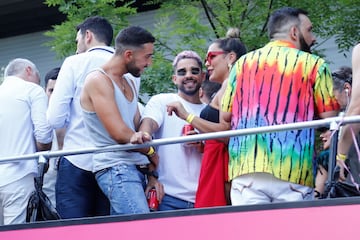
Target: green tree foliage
[[63, 35], [184, 24]]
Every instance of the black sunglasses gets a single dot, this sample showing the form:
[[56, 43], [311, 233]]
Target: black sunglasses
[[183, 71]]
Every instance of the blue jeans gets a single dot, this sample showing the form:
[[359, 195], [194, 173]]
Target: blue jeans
[[173, 203], [124, 186], [77, 193]]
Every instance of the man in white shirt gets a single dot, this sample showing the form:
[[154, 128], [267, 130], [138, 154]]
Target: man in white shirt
[[77, 192], [179, 164], [24, 130]]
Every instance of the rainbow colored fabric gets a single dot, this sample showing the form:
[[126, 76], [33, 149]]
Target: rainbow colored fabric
[[276, 84]]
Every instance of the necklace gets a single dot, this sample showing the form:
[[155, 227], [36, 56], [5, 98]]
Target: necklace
[[123, 84]]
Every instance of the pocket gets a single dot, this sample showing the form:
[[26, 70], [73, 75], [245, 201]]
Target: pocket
[[241, 183], [127, 173], [305, 192]]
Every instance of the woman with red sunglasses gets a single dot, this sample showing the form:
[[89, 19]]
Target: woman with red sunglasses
[[214, 188]]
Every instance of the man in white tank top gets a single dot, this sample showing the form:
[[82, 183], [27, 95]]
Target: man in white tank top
[[111, 115]]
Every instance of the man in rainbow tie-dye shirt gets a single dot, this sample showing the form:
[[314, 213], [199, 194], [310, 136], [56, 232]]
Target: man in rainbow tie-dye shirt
[[277, 84]]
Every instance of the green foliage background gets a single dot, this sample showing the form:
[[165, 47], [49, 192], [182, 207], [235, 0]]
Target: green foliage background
[[184, 24], [76, 11]]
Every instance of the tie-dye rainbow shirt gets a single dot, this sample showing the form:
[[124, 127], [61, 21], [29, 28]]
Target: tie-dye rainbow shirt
[[276, 84]]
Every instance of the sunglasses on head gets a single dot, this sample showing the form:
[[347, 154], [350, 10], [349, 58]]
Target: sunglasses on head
[[342, 76], [211, 55], [183, 71]]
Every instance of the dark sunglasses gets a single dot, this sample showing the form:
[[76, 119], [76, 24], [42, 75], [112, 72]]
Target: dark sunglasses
[[193, 70], [211, 55]]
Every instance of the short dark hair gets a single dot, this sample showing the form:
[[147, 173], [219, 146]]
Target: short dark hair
[[101, 28], [341, 76], [281, 17], [210, 88], [52, 74], [133, 36]]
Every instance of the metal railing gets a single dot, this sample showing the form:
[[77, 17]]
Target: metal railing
[[191, 138]]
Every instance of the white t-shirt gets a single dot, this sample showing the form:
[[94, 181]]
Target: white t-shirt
[[179, 166]]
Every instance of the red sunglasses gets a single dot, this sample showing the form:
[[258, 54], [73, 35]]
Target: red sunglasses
[[211, 55]]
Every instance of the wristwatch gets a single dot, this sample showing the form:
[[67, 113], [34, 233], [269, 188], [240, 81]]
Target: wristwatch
[[153, 173]]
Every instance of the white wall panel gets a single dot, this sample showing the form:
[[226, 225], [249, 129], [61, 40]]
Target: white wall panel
[[30, 46]]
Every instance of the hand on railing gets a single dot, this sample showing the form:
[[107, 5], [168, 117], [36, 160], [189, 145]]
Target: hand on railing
[[198, 144], [140, 138]]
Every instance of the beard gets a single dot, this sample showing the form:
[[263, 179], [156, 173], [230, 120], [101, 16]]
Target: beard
[[303, 45], [190, 92], [133, 69]]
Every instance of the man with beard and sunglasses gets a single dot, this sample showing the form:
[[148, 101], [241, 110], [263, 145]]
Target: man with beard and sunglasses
[[279, 83], [179, 164]]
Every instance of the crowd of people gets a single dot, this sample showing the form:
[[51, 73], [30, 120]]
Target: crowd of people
[[92, 101]]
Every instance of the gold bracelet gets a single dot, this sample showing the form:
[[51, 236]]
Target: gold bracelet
[[150, 152], [341, 157], [190, 118]]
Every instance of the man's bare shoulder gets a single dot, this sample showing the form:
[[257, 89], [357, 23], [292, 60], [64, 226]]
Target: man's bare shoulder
[[96, 79], [97, 88]]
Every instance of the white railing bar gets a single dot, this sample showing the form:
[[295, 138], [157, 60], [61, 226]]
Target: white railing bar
[[191, 138]]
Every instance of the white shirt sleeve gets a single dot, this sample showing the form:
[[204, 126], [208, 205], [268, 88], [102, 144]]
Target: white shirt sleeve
[[155, 109], [58, 112], [43, 132]]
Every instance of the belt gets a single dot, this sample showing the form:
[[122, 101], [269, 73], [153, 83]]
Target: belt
[[143, 168], [101, 170]]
